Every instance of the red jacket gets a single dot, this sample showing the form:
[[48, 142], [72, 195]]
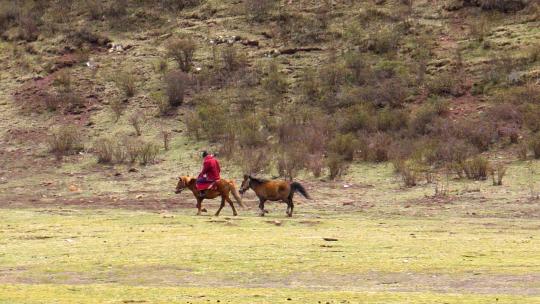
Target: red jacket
[[210, 169]]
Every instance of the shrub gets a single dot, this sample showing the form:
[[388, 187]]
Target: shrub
[[336, 165], [534, 145], [408, 173], [522, 151], [503, 5], [175, 87], [136, 121], [344, 145], [166, 136], [28, 26], [250, 131], [162, 104], [213, 118], [384, 40], [104, 149], [9, 11], [126, 81], [193, 125], [356, 118], [95, 9], [178, 5], [65, 140], [498, 172], [182, 50], [254, 160], [446, 83], [425, 115], [148, 153], [133, 148], [232, 60], [392, 120], [378, 149], [504, 112], [259, 10], [116, 108], [290, 161], [480, 134], [531, 117], [476, 168], [275, 82]]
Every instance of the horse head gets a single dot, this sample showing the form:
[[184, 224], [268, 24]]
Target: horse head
[[183, 183], [245, 184]]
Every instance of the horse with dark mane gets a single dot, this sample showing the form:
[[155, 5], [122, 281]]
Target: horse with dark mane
[[223, 188], [273, 190]]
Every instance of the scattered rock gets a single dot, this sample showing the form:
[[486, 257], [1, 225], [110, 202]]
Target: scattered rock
[[330, 239], [140, 196], [133, 170], [74, 188]]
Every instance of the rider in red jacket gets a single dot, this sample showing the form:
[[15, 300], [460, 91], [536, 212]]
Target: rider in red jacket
[[209, 174]]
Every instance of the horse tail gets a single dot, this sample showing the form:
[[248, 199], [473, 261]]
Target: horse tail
[[297, 187], [236, 195]]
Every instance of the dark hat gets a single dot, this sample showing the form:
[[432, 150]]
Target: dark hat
[[205, 153]]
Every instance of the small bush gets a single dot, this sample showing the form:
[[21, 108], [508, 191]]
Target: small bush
[[193, 125], [254, 160], [182, 51], [148, 153], [133, 148], [336, 165], [423, 118], [28, 26], [408, 173], [232, 60], [95, 9], [378, 149], [104, 148], [476, 168], [178, 5], [162, 104], [534, 145], [117, 108], [65, 140], [175, 87], [275, 83], [531, 117], [384, 40], [356, 118], [213, 119], [127, 82], [446, 84], [259, 10], [343, 145], [166, 136], [136, 121], [392, 120], [497, 174], [522, 151], [503, 5]]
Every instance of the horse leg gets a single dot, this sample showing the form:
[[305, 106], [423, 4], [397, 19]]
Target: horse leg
[[220, 206], [199, 205], [290, 207], [261, 206], [232, 206]]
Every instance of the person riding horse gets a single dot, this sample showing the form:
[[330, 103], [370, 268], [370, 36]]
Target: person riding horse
[[209, 175]]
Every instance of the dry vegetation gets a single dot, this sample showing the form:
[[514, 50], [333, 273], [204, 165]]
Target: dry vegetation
[[314, 86]]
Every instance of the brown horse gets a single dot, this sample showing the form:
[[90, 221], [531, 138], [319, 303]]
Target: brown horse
[[273, 190], [223, 188]]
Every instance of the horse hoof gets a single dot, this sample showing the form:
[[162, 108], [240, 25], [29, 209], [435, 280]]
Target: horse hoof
[[235, 214]]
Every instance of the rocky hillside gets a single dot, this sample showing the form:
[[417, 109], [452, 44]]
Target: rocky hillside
[[88, 88]]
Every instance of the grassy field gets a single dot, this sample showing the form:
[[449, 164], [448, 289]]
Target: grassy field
[[66, 255]]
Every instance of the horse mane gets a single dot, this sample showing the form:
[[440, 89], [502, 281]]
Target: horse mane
[[258, 180]]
